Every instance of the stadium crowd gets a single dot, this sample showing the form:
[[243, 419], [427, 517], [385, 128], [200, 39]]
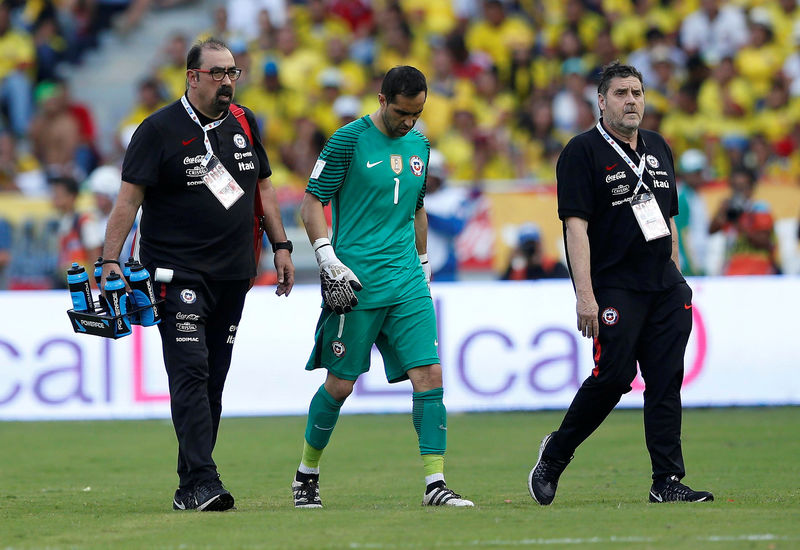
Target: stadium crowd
[[510, 82]]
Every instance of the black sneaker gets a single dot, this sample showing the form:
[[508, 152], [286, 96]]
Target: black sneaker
[[212, 496], [305, 488], [672, 490], [543, 479], [184, 500]]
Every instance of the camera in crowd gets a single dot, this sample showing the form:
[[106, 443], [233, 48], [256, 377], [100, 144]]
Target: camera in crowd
[[736, 207]]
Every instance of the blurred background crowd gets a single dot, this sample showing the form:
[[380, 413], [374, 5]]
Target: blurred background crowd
[[510, 82]]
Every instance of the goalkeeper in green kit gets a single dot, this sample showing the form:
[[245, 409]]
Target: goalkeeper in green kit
[[374, 274]]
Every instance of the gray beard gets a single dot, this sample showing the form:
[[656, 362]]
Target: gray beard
[[625, 130]]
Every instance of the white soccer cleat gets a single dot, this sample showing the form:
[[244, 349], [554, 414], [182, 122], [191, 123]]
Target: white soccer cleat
[[442, 496]]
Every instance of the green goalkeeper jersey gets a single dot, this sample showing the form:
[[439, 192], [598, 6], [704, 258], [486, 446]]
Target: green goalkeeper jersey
[[375, 185]]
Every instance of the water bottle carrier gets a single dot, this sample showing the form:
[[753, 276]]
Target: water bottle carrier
[[99, 324]]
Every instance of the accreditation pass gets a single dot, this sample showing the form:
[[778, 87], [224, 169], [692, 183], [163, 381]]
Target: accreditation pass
[[648, 214], [221, 183]]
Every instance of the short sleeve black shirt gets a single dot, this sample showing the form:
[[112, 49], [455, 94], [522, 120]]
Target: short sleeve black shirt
[[595, 184], [183, 225]]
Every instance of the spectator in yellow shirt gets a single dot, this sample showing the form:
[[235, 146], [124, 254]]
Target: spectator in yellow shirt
[[458, 143], [19, 169], [219, 29], [785, 16], [536, 135], [495, 156], [275, 106], [726, 93], [296, 63], [397, 46], [728, 102], [493, 103], [683, 125], [776, 118], [499, 34], [322, 114], [150, 98], [575, 17], [300, 154], [354, 74], [603, 53], [549, 68], [17, 59], [761, 59], [435, 18], [172, 71], [629, 31], [316, 27]]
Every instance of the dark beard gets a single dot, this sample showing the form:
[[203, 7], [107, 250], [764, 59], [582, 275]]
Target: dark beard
[[222, 104]]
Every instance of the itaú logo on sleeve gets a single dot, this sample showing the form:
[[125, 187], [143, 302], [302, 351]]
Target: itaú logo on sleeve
[[616, 176]]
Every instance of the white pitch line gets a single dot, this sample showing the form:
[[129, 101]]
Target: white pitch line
[[576, 541], [724, 538]]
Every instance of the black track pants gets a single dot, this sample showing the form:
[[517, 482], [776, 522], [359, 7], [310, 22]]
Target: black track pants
[[198, 329], [653, 329]]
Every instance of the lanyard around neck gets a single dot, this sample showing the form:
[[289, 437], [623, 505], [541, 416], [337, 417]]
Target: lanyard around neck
[[638, 170], [209, 152]]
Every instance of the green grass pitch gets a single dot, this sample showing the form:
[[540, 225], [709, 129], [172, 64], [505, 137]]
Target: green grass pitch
[[109, 485]]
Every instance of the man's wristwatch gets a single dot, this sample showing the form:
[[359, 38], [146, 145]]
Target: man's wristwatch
[[284, 245]]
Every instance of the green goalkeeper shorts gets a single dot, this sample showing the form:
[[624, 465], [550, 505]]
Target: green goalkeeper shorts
[[405, 335]]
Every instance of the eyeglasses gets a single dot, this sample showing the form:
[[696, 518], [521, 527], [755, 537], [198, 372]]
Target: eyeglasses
[[218, 73]]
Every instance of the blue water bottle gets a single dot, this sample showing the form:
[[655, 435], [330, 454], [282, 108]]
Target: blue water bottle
[[98, 272], [117, 301], [126, 269], [143, 295], [79, 289]]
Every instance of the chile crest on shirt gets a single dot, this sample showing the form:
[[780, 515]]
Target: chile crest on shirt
[[416, 165]]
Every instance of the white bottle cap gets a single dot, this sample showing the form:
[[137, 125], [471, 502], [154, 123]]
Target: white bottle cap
[[163, 275]]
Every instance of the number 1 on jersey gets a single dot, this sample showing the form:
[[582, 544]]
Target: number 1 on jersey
[[396, 189]]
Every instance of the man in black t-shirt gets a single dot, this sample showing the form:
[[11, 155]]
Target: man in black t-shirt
[[616, 199], [194, 168]]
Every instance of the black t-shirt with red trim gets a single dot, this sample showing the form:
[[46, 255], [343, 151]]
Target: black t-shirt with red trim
[[183, 225], [595, 184]]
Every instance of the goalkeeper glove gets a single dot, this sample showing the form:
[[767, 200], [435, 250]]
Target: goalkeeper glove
[[338, 281], [426, 267]]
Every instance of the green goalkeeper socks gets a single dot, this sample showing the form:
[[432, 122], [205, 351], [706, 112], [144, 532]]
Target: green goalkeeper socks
[[322, 416], [430, 421]]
